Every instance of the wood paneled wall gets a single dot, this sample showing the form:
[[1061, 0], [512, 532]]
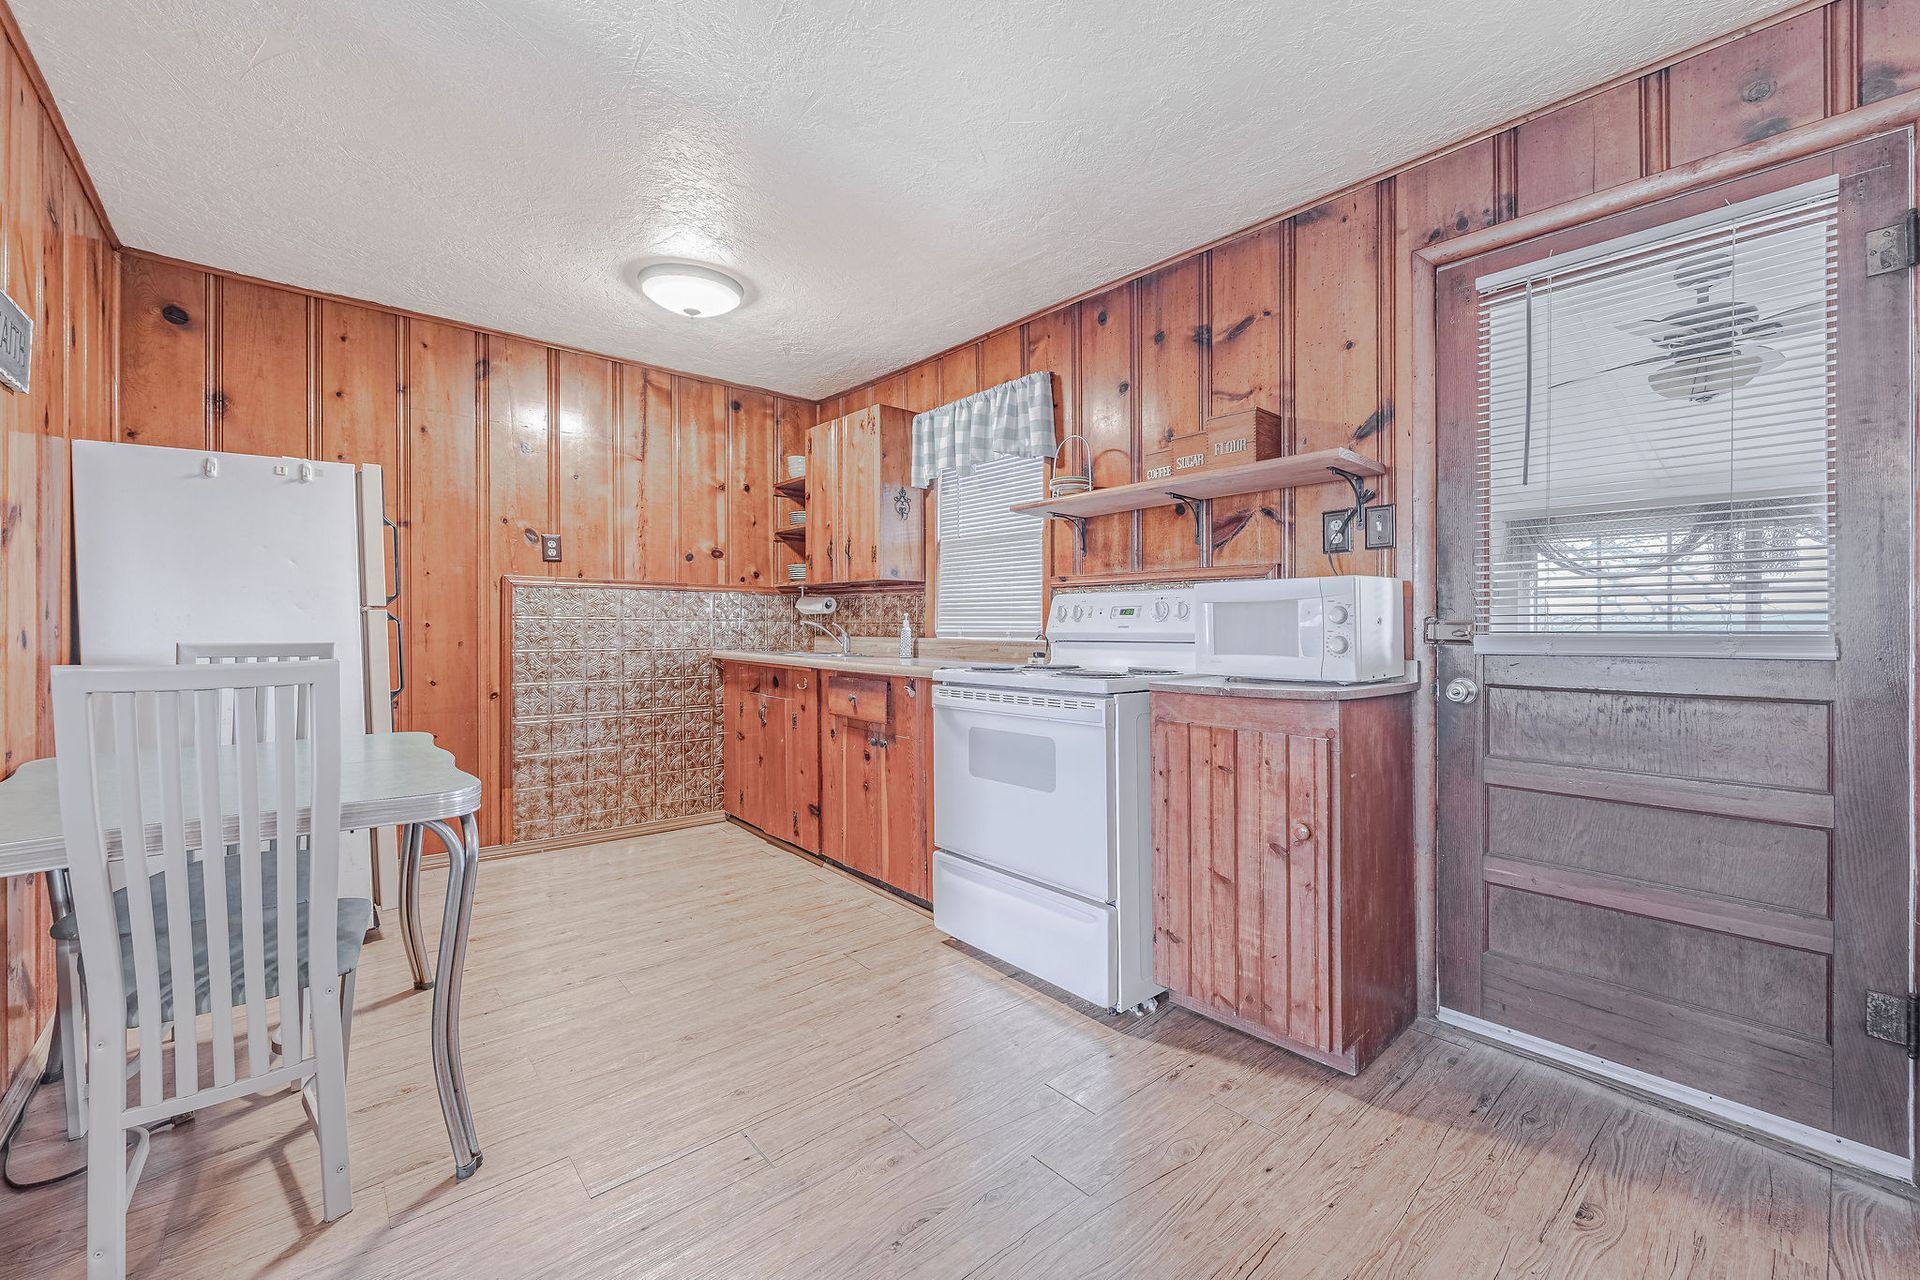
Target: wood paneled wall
[[1311, 314], [56, 262], [487, 442]]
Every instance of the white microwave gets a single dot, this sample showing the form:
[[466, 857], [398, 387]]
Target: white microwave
[[1341, 630]]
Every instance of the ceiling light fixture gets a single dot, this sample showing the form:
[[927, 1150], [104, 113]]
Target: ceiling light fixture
[[689, 290]]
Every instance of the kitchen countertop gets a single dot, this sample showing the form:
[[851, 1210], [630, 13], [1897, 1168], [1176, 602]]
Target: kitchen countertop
[[869, 664], [1289, 691]]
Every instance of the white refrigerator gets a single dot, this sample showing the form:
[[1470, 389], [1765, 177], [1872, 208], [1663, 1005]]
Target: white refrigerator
[[193, 546]]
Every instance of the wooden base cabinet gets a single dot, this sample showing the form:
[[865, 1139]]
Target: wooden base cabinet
[[1283, 867], [876, 779], [771, 750]]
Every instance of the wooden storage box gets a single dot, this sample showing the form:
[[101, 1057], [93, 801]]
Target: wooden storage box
[[1253, 435]]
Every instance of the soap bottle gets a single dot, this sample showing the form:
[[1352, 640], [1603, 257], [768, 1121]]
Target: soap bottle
[[906, 639]]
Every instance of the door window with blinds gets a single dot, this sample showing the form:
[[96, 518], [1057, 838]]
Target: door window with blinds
[[1656, 436], [989, 581]]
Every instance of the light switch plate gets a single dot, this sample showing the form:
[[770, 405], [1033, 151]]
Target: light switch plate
[[550, 548], [1379, 532], [1336, 531]]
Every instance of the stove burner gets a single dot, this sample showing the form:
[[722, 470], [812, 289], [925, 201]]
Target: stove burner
[[1152, 671]]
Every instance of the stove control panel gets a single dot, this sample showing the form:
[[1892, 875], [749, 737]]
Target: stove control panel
[[1164, 613]]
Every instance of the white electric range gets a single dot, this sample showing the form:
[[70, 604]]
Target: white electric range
[[1042, 833]]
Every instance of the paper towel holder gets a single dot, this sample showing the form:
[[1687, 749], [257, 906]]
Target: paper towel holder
[[815, 606]]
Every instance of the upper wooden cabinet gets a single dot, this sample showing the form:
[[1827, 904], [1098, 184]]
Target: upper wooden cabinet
[[864, 521], [1283, 867]]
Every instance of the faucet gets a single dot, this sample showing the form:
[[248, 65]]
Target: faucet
[[832, 631], [1044, 656]]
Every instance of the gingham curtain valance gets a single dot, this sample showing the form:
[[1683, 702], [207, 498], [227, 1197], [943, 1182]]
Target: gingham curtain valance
[[1014, 419]]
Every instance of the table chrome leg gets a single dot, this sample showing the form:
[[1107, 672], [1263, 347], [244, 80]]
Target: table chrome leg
[[412, 841], [463, 855]]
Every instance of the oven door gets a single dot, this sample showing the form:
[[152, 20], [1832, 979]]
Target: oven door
[[1021, 782], [1262, 628]]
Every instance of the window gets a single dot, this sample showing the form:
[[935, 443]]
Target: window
[[1656, 434], [988, 586]]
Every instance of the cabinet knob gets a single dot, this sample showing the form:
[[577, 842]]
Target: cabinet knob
[[1301, 831]]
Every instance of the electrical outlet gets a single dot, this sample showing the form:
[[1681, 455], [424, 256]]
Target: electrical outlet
[[1336, 531], [1379, 532], [550, 548]]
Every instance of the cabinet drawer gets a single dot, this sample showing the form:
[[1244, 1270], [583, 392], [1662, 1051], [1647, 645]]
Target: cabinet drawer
[[858, 698]]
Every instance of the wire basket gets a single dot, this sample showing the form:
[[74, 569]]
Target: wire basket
[[1073, 482]]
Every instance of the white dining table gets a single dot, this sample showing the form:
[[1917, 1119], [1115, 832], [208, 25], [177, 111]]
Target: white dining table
[[386, 780]]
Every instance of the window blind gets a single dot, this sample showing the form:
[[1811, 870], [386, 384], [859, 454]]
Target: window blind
[[1656, 436], [989, 580]]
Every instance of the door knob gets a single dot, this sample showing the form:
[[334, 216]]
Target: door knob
[[1301, 831], [1461, 690]]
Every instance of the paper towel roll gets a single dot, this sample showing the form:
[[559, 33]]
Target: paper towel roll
[[816, 606]]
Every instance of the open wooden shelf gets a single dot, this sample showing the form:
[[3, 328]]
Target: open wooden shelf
[[794, 490], [794, 535], [1291, 472]]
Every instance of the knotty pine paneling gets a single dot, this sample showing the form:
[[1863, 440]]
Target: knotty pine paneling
[[1762, 84], [486, 440], [1050, 344], [1107, 422], [1167, 393], [586, 469], [59, 267], [1581, 148], [1248, 358], [1312, 312], [165, 354], [261, 368], [650, 471], [519, 486]]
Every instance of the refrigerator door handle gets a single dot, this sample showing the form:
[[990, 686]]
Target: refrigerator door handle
[[400, 653], [393, 578]]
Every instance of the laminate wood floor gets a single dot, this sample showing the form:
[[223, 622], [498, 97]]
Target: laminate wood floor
[[697, 1055]]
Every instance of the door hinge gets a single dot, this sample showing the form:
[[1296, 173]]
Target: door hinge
[[1896, 1018], [1446, 631], [1893, 248]]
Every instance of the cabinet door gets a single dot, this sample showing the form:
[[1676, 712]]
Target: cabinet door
[[823, 505], [803, 761], [770, 735], [1242, 876], [733, 741], [854, 792], [859, 493], [907, 851]]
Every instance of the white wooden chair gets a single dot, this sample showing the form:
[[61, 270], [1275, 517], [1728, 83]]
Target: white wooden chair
[[204, 838], [69, 995]]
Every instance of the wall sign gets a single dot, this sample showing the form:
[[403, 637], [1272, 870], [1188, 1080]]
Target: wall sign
[[16, 344]]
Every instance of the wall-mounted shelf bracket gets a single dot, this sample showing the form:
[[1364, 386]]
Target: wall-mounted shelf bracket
[[1198, 508], [1079, 524]]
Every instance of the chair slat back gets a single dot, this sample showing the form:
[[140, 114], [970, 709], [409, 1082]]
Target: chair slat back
[[231, 652], [151, 796]]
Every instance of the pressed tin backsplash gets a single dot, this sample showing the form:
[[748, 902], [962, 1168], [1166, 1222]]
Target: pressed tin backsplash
[[616, 699]]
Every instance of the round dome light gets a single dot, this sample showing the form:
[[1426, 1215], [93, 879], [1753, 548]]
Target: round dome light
[[687, 290]]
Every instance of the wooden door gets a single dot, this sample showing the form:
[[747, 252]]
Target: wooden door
[[803, 761], [734, 754], [906, 820], [1695, 867], [859, 491], [823, 502], [853, 790], [1243, 874]]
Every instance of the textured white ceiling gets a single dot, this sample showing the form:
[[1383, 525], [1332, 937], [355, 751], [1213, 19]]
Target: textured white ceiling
[[889, 176]]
